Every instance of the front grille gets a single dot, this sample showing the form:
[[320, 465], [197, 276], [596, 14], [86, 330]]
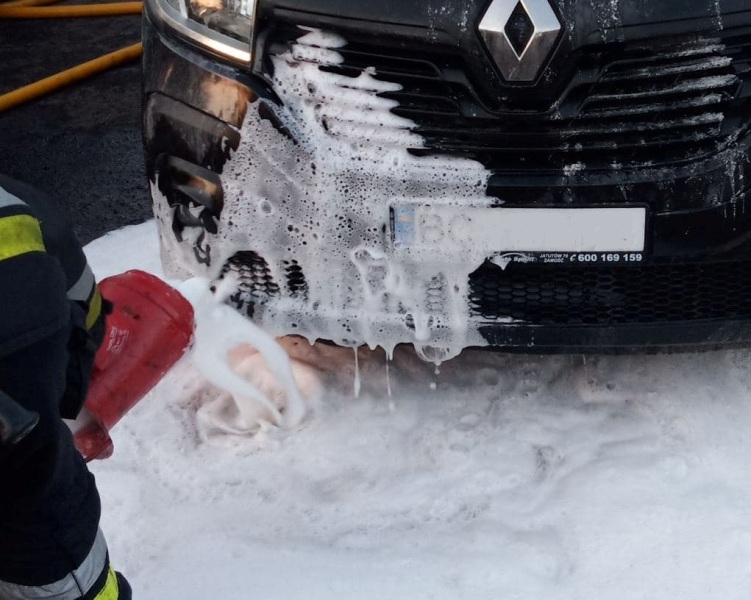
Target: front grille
[[658, 102], [564, 295]]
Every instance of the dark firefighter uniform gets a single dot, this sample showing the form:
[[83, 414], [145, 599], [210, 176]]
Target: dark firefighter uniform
[[51, 323]]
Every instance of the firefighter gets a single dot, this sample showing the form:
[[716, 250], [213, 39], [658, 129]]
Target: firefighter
[[51, 324]]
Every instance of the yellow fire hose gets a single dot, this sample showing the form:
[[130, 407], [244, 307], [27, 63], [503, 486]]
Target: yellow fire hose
[[28, 2], [14, 11], [77, 73], [34, 9]]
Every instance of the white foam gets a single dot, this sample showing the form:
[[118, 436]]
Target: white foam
[[518, 477], [324, 201], [219, 331]]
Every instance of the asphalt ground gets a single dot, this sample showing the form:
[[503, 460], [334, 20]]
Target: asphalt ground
[[81, 144]]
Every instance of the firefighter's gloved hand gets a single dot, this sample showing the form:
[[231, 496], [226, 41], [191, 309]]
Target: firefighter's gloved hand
[[15, 422]]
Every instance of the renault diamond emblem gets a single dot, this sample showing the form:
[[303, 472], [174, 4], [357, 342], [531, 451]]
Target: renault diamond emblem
[[520, 35]]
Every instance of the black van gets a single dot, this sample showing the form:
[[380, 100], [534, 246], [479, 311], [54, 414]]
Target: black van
[[543, 175]]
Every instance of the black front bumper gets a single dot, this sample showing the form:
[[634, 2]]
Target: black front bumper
[[694, 289]]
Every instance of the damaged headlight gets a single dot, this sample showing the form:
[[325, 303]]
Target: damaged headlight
[[224, 27]]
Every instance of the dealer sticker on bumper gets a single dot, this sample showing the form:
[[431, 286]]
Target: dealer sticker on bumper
[[553, 231]]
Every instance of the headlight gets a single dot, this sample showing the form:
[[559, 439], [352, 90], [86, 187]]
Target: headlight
[[224, 27]]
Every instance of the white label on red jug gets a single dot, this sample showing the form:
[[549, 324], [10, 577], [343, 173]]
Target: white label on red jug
[[117, 339]]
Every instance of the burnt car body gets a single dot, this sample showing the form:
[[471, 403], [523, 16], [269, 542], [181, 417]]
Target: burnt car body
[[541, 175]]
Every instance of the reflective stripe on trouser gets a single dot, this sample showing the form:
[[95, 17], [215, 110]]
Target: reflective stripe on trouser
[[73, 585]]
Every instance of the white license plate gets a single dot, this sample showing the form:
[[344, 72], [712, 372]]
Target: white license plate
[[600, 229]]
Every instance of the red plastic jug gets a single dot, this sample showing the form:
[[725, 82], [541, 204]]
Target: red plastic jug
[[148, 331]]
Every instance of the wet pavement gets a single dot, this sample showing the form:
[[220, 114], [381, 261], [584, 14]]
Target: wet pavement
[[82, 144]]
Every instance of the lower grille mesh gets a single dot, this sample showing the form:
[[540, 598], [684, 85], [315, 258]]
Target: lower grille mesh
[[563, 295], [255, 282]]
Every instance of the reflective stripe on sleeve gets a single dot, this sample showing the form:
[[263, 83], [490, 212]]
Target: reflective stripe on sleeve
[[19, 234], [8, 199], [95, 309], [85, 290], [72, 586], [81, 289]]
